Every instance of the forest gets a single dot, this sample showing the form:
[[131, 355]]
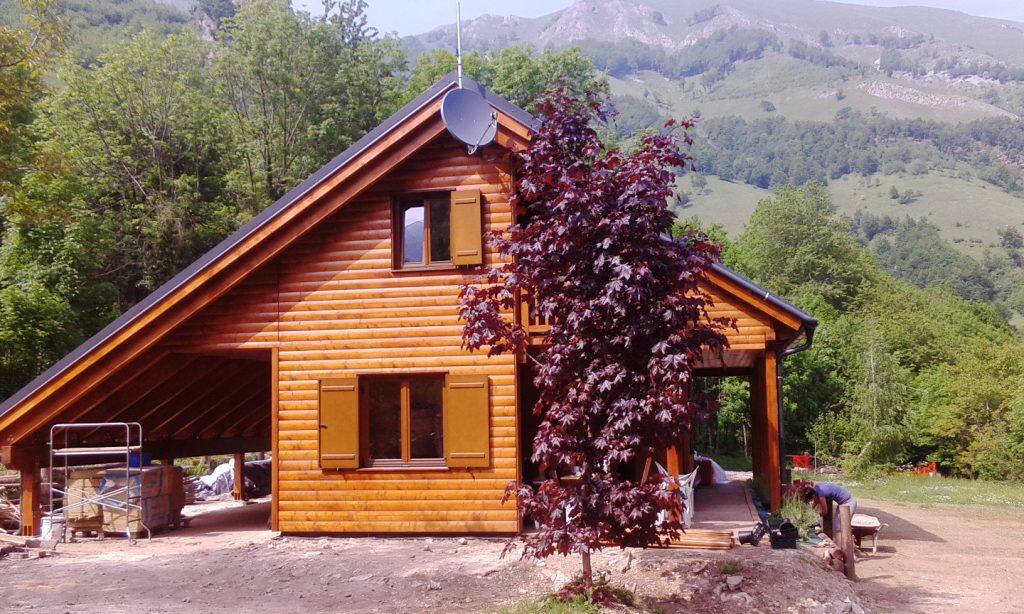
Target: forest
[[121, 164], [902, 369]]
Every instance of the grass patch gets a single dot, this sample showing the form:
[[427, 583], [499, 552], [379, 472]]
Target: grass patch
[[730, 567], [552, 605], [581, 604], [801, 514], [924, 490], [734, 463]]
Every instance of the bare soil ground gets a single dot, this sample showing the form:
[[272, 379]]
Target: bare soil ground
[[931, 559], [228, 562], [944, 558]]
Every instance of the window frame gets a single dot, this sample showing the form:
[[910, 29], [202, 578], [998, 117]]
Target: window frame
[[399, 204], [406, 462]]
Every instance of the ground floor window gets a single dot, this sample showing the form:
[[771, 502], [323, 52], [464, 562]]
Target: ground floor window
[[439, 420], [404, 421]]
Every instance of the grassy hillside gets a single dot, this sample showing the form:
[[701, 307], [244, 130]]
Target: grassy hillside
[[801, 90], [967, 212]]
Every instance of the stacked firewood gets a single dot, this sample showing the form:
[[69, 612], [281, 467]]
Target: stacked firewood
[[10, 516], [191, 486]]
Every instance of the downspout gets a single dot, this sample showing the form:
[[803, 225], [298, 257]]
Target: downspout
[[807, 329]]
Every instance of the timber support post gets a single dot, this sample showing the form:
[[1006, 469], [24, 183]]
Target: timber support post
[[773, 453], [686, 453], [239, 489], [674, 471], [31, 503]]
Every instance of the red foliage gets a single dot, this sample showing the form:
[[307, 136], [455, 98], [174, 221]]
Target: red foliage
[[594, 249]]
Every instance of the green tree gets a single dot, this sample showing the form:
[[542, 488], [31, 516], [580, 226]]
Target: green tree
[[518, 74], [300, 90], [521, 76], [971, 414], [27, 50], [135, 151], [433, 65], [793, 245]]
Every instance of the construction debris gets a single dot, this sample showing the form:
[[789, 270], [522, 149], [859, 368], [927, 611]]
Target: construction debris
[[10, 515], [18, 547]]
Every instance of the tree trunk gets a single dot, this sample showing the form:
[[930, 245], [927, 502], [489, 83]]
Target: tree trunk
[[588, 571]]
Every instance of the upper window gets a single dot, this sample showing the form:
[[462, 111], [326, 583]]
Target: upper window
[[425, 227], [438, 230]]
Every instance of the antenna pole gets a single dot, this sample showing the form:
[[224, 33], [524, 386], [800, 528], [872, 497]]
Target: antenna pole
[[458, 38]]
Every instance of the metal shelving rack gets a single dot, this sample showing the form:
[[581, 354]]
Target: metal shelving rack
[[120, 498]]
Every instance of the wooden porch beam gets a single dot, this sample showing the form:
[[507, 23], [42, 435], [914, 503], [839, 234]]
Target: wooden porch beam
[[140, 387], [208, 387], [254, 410], [686, 452], [196, 425], [18, 457], [275, 466], [205, 447]]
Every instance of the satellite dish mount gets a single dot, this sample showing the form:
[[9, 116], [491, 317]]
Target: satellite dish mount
[[468, 117]]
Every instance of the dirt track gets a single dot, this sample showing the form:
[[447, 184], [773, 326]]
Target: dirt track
[[944, 558], [931, 559]]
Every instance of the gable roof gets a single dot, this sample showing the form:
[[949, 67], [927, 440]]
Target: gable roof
[[194, 272], [261, 220], [765, 300]]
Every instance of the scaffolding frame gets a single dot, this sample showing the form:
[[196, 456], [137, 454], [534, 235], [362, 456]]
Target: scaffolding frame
[[121, 498]]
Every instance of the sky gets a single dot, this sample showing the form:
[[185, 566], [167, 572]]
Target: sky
[[408, 17]]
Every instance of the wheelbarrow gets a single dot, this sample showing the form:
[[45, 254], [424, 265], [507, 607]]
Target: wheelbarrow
[[862, 525]]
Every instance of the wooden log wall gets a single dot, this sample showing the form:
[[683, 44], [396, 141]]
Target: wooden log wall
[[332, 306], [753, 328]]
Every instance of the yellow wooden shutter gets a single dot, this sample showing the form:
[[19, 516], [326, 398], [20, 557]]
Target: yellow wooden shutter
[[339, 423], [466, 228], [467, 423]]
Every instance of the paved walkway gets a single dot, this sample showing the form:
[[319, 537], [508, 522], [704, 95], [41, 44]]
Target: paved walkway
[[725, 507]]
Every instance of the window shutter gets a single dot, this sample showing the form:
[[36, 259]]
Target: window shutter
[[467, 422], [467, 228], [339, 423]]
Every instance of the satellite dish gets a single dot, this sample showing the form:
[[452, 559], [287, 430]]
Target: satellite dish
[[469, 118]]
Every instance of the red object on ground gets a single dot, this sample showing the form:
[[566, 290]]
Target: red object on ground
[[931, 469], [802, 461]]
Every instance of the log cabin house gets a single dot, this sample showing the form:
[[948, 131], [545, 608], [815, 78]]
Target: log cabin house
[[325, 330]]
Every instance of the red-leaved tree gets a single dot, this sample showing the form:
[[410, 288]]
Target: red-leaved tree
[[627, 322]]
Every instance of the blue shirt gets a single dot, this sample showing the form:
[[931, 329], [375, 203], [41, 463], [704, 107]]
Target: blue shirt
[[832, 491]]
